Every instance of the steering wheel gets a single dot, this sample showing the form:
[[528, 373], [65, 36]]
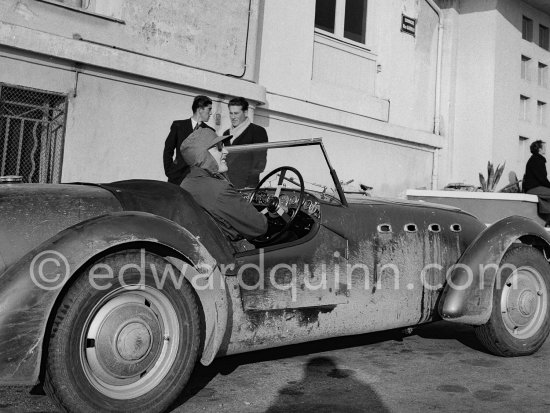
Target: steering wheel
[[273, 210]]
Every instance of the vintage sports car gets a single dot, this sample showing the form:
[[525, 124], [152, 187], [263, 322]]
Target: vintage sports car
[[111, 293]]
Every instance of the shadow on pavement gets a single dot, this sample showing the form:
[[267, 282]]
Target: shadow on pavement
[[203, 375], [327, 389]]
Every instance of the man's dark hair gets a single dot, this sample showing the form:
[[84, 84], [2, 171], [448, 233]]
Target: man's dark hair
[[200, 101], [536, 146], [240, 101]]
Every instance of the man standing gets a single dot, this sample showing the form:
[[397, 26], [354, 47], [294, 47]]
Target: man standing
[[244, 168], [176, 169]]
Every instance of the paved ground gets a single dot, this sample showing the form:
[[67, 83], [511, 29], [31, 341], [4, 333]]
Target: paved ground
[[436, 369]]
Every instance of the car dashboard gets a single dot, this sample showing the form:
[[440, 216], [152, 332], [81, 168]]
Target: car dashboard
[[288, 200], [307, 218]]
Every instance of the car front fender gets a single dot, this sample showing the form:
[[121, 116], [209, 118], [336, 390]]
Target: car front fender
[[468, 294], [27, 297]]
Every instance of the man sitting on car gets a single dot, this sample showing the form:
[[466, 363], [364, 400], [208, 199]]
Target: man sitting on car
[[203, 150]]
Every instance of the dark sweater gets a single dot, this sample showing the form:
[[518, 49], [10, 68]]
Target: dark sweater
[[535, 173]]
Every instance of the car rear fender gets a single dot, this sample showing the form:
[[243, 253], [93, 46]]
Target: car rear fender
[[28, 293], [468, 294]]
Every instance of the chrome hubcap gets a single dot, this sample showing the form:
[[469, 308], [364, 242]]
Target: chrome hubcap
[[524, 302], [130, 342], [134, 341]]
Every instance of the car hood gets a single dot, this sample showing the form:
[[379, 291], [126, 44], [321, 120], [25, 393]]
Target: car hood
[[32, 213], [361, 199]]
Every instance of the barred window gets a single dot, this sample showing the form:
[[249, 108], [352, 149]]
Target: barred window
[[32, 133]]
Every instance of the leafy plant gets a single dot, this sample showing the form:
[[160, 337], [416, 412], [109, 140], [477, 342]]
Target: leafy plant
[[493, 176]]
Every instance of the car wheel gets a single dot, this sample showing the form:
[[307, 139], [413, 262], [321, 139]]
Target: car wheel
[[123, 343], [519, 322]]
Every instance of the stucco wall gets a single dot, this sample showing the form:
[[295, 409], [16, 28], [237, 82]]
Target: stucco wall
[[487, 124], [408, 64], [116, 125], [122, 99], [389, 167], [474, 123], [210, 35], [506, 132], [116, 129], [384, 90]]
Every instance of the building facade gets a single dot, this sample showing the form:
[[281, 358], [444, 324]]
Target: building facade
[[496, 88], [89, 88]]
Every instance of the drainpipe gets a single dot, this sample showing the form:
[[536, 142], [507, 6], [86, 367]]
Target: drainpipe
[[437, 113], [437, 109]]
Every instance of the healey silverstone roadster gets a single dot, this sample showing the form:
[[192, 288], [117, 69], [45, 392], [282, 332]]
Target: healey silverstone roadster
[[111, 293]]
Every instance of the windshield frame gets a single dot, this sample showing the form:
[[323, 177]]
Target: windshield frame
[[298, 142]]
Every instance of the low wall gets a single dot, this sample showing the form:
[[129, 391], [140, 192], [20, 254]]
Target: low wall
[[488, 207]]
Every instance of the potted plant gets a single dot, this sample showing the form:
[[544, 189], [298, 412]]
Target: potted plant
[[493, 176]]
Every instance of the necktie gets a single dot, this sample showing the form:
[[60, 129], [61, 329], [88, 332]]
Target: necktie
[[198, 125]]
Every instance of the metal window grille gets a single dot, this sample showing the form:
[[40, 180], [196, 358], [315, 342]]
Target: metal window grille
[[32, 133]]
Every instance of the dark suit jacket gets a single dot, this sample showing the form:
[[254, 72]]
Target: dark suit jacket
[[176, 169], [245, 168]]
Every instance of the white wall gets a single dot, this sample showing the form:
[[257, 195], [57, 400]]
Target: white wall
[[378, 102], [389, 167], [209, 35], [379, 125], [408, 64], [475, 92], [486, 125]]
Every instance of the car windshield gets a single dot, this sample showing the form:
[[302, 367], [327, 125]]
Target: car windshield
[[307, 156]]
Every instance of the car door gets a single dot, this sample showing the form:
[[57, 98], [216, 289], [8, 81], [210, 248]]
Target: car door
[[299, 274]]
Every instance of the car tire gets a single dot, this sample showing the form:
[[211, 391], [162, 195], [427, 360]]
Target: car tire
[[123, 343], [520, 317]]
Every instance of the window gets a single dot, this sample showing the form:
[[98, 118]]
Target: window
[[543, 75], [32, 133], [544, 38], [523, 107], [343, 18], [541, 113], [325, 11], [524, 151], [527, 29], [525, 63]]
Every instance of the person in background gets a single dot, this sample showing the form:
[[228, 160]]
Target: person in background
[[244, 168], [176, 169], [203, 150], [535, 180]]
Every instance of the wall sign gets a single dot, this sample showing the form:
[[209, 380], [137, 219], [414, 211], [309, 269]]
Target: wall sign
[[408, 25]]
